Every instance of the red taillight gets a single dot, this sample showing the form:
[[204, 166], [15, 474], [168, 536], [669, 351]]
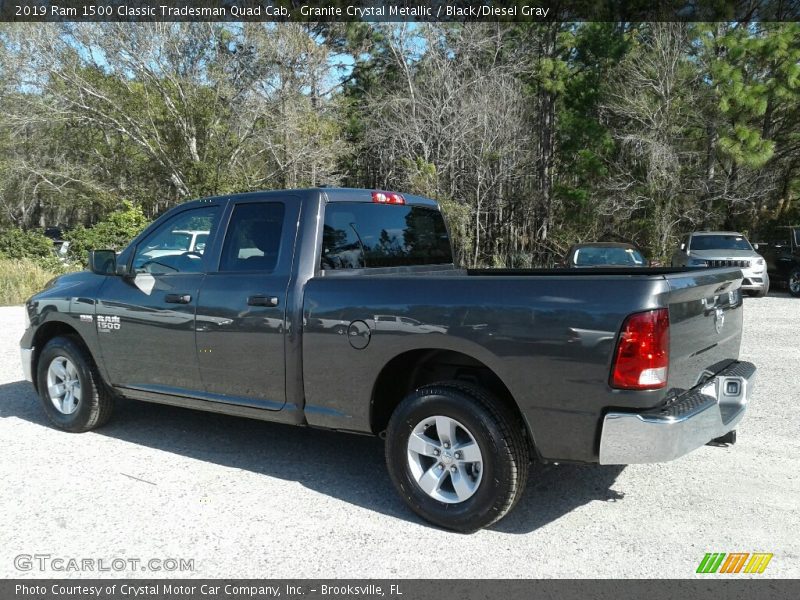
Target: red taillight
[[388, 198], [642, 356]]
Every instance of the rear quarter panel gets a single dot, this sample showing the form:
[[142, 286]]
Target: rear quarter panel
[[549, 339]]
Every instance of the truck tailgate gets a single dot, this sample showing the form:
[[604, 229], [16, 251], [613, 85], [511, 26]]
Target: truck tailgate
[[705, 312]]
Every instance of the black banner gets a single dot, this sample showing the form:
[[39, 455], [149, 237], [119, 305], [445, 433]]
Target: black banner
[[411, 11], [412, 589]]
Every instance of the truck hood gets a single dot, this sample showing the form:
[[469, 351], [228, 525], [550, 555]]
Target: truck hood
[[71, 284]]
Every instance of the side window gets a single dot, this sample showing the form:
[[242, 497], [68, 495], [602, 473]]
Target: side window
[[173, 247], [253, 240]]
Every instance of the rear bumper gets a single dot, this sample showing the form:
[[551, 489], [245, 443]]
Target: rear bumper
[[688, 422], [26, 356]]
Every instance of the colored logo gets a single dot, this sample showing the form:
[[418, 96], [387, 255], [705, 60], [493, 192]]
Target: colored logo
[[735, 562]]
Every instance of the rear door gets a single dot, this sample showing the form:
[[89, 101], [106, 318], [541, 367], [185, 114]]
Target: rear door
[[241, 313], [145, 321]]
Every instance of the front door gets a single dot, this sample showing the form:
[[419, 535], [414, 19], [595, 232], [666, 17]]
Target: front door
[[241, 313], [146, 321]]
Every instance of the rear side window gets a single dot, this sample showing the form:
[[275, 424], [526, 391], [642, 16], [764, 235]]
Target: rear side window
[[254, 237], [366, 235]]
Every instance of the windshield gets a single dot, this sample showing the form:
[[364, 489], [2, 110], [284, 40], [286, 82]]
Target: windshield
[[720, 242], [592, 256]]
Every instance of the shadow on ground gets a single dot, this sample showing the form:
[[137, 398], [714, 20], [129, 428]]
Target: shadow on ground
[[348, 467]]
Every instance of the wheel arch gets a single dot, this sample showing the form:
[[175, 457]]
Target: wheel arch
[[46, 332], [413, 369]]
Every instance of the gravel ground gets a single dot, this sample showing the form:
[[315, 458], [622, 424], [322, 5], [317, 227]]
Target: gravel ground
[[251, 499]]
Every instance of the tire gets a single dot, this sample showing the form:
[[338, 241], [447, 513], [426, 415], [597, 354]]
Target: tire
[[487, 489], [65, 359], [794, 282]]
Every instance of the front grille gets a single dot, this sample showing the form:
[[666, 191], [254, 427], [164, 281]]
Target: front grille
[[742, 264]]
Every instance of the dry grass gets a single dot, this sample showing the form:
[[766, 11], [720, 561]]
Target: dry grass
[[20, 279]]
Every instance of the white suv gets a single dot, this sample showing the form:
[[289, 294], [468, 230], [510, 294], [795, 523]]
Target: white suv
[[724, 249]]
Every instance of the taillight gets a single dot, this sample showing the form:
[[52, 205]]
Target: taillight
[[388, 198], [642, 356]]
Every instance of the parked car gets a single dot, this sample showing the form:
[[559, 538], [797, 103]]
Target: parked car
[[480, 370], [725, 249], [604, 254], [54, 233], [782, 253]]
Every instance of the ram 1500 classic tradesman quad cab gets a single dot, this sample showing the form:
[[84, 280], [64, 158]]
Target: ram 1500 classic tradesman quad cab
[[283, 316]]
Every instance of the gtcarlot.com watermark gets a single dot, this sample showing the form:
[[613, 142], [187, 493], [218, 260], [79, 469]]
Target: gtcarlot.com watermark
[[49, 562]]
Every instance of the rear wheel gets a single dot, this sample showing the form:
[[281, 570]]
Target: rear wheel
[[794, 282], [457, 456], [70, 389]]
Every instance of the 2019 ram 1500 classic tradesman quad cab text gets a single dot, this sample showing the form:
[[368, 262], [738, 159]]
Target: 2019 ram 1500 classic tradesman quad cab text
[[342, 309]]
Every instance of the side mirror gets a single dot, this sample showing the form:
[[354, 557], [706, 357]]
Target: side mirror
[[103, 262], [683, 246], [755, 246]]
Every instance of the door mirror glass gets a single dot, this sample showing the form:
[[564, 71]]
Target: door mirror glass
[[683, 246], [103, 262]]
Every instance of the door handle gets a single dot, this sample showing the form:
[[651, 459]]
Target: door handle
[[262, 301], [178, 298]]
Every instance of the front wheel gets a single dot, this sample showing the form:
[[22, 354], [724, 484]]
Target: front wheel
[[456, 456], [72, 394], [794, 282]]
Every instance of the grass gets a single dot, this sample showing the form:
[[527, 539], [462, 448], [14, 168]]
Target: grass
[[20, 278]]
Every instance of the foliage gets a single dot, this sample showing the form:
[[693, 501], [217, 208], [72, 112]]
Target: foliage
[[533, 135], [113, 233], [20, 278], [18, 243]]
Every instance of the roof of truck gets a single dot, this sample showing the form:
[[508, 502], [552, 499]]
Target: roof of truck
[[332, 194]]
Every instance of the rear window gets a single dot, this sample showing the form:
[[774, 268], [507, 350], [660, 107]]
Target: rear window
[[365, 235], [591, 256]]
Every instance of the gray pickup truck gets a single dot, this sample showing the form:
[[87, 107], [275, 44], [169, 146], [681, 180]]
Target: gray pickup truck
[[342, 309]]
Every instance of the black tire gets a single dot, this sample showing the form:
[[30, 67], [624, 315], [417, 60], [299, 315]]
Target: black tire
[[498, 433], [794, 280], [95, 405]]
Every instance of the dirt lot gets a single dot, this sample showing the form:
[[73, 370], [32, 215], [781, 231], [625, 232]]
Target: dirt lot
[[251, 499]]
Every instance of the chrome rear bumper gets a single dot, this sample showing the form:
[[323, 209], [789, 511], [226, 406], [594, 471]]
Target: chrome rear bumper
[[26, 356], [688, 422]]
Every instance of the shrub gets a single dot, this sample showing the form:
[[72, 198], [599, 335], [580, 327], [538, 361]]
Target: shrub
[[113, 233], [20, 278], [17, 243]]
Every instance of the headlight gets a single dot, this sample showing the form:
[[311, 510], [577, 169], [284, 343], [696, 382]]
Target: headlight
[[697, 262], [27, 317], [760, 262]]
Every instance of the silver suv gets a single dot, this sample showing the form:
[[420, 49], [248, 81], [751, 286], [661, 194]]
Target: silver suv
[[724, 249]]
